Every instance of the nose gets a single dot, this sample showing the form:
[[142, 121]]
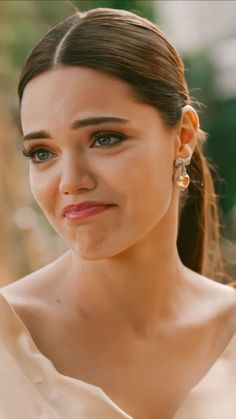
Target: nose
[[75, 176]]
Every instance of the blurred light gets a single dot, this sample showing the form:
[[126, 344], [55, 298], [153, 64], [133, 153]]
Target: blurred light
[[223, 57], [25, 218], [196, 25]]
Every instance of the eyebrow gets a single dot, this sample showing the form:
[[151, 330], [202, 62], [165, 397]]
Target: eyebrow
[[79, 123]]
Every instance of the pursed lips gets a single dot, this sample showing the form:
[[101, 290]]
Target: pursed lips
[[82, 209]]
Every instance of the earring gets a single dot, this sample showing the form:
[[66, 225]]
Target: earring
[[181, 177]]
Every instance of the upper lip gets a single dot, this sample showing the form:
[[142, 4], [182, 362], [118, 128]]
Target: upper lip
[[82, 205]]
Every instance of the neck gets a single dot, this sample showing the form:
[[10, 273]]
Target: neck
[[137, 288]]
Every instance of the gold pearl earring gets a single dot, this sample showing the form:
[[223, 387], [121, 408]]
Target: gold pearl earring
[[181, 177]]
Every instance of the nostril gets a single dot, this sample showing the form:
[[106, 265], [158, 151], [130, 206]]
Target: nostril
[[75, 179]]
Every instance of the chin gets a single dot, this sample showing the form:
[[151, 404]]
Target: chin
[[92, 256], [94, 252], [99, 246]]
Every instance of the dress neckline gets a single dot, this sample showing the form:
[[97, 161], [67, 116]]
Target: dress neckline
[[87, 384], [36, 350]]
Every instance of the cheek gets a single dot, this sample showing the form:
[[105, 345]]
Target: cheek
[[42, 187], [145, 182], [152, 192]]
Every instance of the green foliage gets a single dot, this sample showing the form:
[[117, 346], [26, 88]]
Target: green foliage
[[143, 8]]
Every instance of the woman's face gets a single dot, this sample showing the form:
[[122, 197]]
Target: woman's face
[[126, 161]]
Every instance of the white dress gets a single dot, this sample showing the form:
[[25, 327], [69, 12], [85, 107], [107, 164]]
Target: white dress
[[32, 388]]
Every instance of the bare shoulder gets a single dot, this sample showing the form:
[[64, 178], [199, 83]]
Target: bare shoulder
[[35, 289], [36, 299], [218, 299]]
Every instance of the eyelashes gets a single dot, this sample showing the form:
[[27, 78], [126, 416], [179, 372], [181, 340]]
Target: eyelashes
[[31, 154], [103, 138]]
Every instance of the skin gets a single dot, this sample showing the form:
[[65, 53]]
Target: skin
[[120, 294]]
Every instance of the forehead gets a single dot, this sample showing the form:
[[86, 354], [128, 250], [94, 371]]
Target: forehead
[[66, 92]]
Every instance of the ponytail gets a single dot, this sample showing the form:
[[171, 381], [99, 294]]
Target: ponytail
[[199, 227]]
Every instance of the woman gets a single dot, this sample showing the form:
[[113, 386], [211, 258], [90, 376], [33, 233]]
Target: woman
[[127, 323]]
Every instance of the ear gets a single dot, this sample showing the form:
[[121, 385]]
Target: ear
[[186, 139]]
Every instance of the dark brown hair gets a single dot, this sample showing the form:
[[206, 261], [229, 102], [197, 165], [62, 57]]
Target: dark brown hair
[[136, 51]]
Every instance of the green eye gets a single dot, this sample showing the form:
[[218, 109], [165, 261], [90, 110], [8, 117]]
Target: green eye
[[105, 140], [108, 139], [41, 154], [37, 156]]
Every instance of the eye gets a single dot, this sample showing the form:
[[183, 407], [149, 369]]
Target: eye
[[41, 154], [104, 139], [38, 155]]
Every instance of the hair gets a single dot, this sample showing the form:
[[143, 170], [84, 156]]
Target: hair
[[136, 51]]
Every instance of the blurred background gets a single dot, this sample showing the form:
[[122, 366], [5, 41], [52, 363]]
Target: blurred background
[[204, 32]]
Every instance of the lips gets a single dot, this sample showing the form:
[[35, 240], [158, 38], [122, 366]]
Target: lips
[[73, 208]]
